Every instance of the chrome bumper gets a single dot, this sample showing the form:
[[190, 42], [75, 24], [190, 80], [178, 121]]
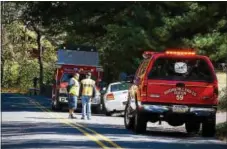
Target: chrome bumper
[[95, 101], [161, 109]]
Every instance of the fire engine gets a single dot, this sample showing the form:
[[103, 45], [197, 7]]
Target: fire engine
[[80, 59]]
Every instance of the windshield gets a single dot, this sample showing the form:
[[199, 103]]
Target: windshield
[[119, 87], [83, 76], [181, 69], [66, 77]]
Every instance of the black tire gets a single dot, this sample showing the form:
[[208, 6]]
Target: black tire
[[129, 122], [53, 107], [192, 127], [208, 127], [140, 123], [107, 113], [56, 106], [97, 110]]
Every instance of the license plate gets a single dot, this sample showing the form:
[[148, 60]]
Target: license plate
[[180, 109], [63, 99]]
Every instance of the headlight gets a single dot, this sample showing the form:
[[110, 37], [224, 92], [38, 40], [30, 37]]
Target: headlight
[[63, 90]]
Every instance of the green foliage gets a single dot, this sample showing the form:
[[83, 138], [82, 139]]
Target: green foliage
[[221, 131], [120, 30], [18, 67], [223, 100]]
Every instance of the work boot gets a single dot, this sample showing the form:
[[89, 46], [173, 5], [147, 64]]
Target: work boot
[[71, 116]]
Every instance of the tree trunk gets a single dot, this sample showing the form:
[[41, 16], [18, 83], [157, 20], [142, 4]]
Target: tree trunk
[[22, 63], [40, 59]]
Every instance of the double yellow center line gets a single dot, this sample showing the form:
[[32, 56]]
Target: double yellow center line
[[96, 137]]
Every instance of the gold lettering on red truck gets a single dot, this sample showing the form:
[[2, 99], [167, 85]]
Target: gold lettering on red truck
[[180, 92]]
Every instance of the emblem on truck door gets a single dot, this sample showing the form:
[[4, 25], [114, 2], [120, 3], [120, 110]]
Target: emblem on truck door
[[180, 92]]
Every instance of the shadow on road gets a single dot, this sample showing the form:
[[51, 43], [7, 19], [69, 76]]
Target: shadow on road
[[121, 130], [42, 135], [11, 102], [50, 134], [56, 135], [155, 138]]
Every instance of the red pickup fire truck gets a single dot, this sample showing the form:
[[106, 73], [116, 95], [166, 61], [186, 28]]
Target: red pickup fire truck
[[79, 59], [177, 86]]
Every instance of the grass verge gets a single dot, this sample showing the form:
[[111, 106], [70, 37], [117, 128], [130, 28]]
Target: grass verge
[[13, 90], [221, 131]]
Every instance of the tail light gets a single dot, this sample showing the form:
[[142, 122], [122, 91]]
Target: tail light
[[216, 92], [110, 96], [144, 90]]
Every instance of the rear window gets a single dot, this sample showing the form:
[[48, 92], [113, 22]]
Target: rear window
[[181, 69], [119, 87]]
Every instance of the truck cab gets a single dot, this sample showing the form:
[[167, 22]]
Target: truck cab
[[177, 86], [69, 62]]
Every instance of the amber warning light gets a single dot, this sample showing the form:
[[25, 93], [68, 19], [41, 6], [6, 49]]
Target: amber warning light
[[180, 52]]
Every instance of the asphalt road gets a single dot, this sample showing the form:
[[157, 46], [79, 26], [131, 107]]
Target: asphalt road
[[27, 122]]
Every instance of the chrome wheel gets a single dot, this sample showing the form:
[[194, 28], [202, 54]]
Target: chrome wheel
[[128, 118]]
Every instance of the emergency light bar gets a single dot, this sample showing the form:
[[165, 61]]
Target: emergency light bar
[[180, 52]]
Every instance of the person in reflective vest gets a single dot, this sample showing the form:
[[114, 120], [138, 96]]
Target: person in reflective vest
[[87, 92], [73, 94]]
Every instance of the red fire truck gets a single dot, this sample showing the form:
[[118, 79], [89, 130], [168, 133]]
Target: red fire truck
[[177, 86], [79, 59]]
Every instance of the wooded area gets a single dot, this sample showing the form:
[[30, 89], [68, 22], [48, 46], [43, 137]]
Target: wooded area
[[121, 31]]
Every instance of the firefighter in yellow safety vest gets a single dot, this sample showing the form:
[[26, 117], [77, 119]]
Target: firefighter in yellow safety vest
[[87, 91], [73, 93]]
